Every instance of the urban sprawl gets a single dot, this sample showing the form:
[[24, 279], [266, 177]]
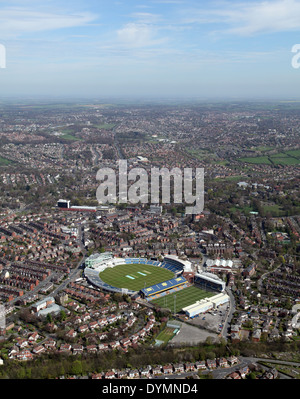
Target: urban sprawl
[[140, 291]]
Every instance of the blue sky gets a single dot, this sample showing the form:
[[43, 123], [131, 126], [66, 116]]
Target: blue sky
[[150, 48]]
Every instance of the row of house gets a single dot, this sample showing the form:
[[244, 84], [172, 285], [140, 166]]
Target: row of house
[[168, 369], [22, 348]]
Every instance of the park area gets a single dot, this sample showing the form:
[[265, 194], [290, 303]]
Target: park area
[[291, 157]]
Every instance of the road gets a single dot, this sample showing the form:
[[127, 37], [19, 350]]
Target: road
[[260, 281], [229, 315], [117, 146], [221, 373], [283, 362], [175, 376]]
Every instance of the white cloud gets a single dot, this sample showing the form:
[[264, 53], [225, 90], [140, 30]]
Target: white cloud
[[135, 34], [138, 35], [251, 18], [18, 21]]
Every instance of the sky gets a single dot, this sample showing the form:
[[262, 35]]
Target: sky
[[150, 49]]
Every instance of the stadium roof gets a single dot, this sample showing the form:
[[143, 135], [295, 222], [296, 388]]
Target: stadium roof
[[210, 276], [185, 263], [156, 288]]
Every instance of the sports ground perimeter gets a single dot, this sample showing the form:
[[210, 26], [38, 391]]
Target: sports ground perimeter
[[138, 276]]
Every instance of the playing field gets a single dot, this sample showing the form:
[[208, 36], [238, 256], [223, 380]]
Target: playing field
[[166, 335], [135, 276], [291, 157], [184, 298]]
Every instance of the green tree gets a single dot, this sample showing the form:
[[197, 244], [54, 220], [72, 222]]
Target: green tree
[[21, 373], [251, 376], [63, 315], [76, 367]]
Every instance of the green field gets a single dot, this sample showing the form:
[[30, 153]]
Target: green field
[[274, 209], [118, 276], [166, 335], [231, 178], [200, 153], [293, 153], [245, 209], [5, 161], [262, 148], [285, 161], [278, 155], [184, 298], [256, 160], [68, 136], [291, 157], [106, 126]]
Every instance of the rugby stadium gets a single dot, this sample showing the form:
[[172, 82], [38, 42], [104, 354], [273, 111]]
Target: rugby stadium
[[135, 275], [149, 279]]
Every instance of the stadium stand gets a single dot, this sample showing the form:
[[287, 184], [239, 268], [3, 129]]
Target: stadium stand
[[93, 277], [178, 264], [165, 286], [209, 281]]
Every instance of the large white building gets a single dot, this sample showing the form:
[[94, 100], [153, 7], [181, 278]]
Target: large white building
[[203, 305], [219, 299]]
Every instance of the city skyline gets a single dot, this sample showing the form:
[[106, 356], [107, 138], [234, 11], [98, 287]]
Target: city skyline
[[158, 48]]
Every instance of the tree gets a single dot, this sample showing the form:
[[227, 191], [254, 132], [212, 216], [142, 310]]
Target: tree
[[281, 257], [76, 367], [209, 340], [222, 341], [21, 373], [27, 316], [251, 376], [117, 297], [63, 315], [211, 355], [62, 370], [127, 298]]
